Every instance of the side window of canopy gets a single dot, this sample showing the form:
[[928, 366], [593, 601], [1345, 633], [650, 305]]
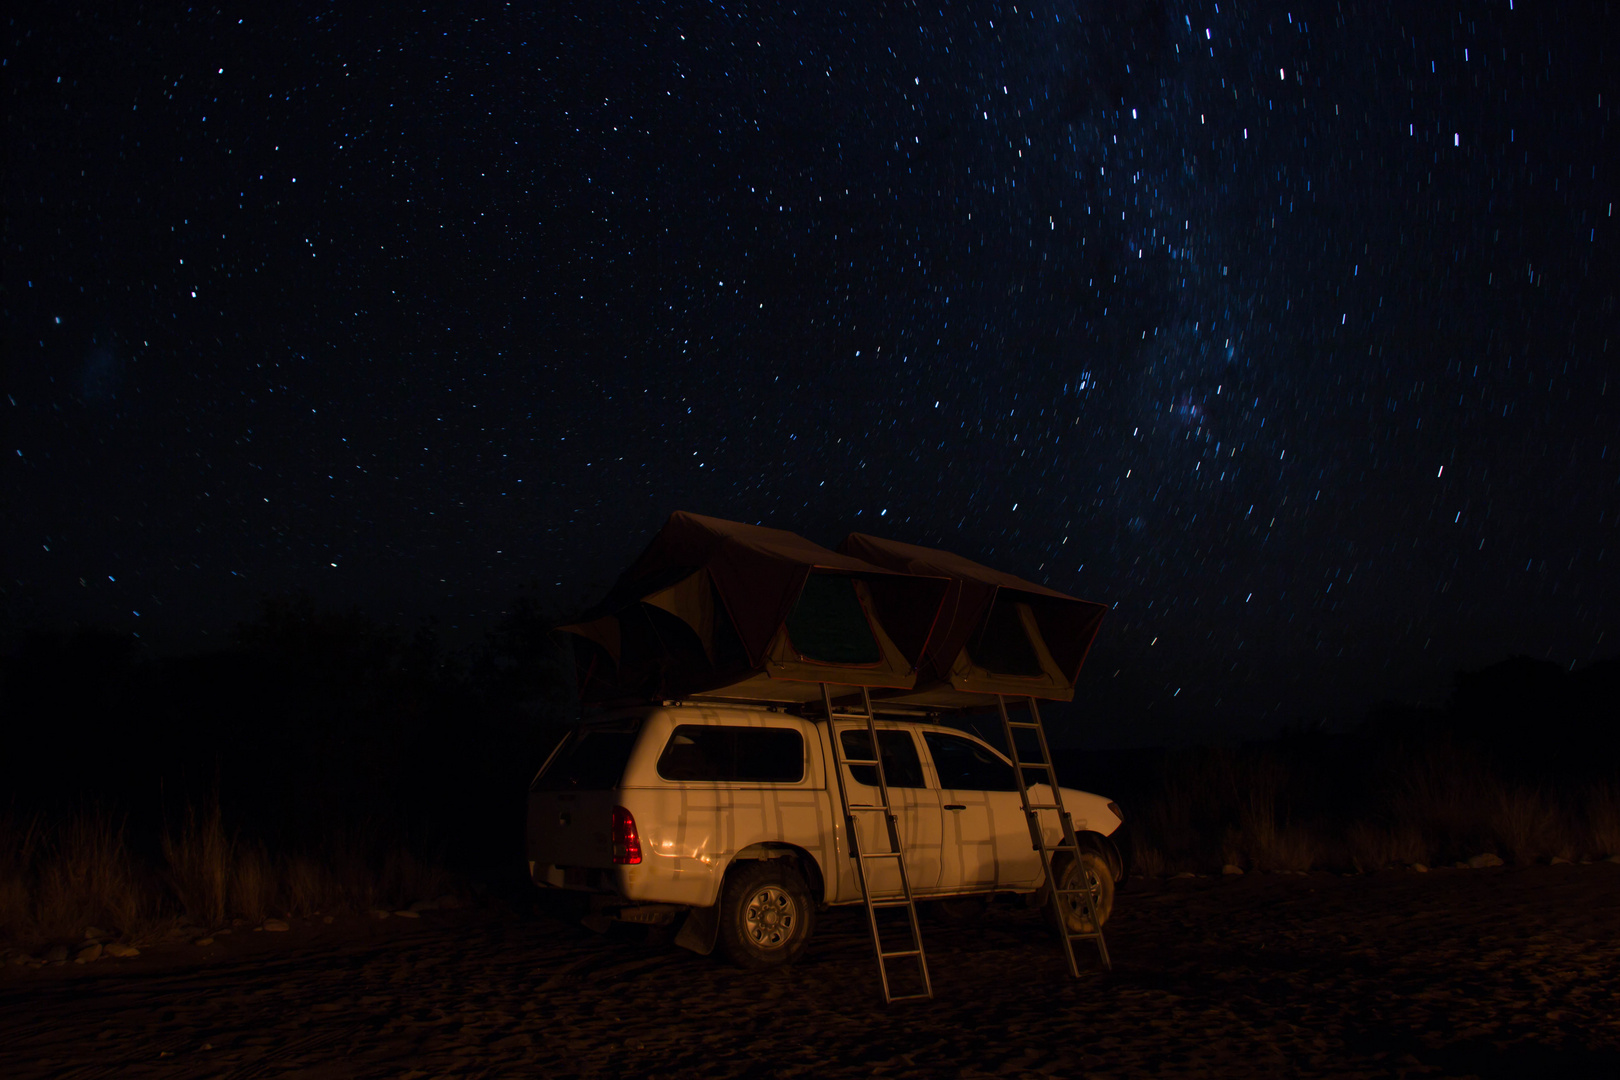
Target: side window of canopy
[[1003, 645], [748, 755], [829, 625]]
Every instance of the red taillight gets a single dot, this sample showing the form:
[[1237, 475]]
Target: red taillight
[[626, 842]]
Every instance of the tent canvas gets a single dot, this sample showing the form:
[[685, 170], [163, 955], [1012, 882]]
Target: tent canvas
[[997, 633], [716, 608]]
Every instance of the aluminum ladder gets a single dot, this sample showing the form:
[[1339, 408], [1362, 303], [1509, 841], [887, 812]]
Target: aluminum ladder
[[1069, 844], [905, 898]]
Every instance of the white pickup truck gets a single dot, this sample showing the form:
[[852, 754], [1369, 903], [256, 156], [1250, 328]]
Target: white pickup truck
[[731, 813]]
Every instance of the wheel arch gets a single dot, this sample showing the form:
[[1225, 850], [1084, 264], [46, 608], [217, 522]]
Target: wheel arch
[[807, 865], [1105, 847]]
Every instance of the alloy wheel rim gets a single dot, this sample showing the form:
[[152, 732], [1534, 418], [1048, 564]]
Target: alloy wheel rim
[[770, 918], [1074, 878]]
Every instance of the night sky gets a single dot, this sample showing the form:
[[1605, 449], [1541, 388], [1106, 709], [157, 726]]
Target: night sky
[[1287, 331]]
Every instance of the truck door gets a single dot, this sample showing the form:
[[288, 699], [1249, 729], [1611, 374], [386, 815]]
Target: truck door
[[916, 807], [985, 841]]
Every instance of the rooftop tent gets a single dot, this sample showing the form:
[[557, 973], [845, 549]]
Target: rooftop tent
[[717, 608], [997, 634]]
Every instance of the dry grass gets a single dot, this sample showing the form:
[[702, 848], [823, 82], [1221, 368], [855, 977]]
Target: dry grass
[[55, 882], [1435, 804], [1602, 821], [19, 845], [200, 865], [1374, 847], [58, 879], [1528, 825], [1261, 843]]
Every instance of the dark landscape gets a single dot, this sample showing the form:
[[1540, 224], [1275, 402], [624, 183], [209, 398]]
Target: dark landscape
[[1504, 972], [348, 353], [1425, 895]]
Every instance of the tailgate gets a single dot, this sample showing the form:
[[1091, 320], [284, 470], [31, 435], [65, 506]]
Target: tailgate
[[571, 828], [571, 802]]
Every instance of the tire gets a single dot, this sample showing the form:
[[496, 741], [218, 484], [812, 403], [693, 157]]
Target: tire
[[766, 915], [1101, 879]]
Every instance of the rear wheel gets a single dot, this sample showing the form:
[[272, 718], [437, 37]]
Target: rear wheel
[[766, 914], [1090, 872]]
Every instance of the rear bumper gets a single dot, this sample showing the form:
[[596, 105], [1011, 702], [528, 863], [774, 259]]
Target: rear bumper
[[574, 878], [646, 883]]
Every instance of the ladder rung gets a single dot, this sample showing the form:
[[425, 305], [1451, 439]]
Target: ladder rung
[[909, 997], [891, 903], [1034, 765], [880, 855], [902, 952], [1022, 724], [1089, 935], [1042, 806], [866, 806], [860, 761]]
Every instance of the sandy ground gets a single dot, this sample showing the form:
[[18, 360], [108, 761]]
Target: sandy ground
[[1490, 973]]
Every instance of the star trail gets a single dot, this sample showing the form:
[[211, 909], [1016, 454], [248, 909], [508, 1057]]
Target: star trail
[[1285, 331]]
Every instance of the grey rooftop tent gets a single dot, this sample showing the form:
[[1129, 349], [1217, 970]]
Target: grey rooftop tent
[[997, 634], [721, 609]]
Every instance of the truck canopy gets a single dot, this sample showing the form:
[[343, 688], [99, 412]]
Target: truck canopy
[[722, 609]]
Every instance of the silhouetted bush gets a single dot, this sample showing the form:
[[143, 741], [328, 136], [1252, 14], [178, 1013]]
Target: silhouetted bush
[[325, 762], [1523, 763], [322, 760]]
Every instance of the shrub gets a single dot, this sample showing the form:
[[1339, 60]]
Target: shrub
[[1602, 822]]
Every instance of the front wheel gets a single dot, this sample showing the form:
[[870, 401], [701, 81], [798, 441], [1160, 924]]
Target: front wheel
[[766, 915], [1090, 872]]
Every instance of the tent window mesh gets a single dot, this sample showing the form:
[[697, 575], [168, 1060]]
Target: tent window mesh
[[829, 625], [1003, 646]]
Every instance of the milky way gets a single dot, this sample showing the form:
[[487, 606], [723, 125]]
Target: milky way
[[1283, 331]]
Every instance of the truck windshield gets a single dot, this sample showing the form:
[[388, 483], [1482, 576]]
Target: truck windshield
[[593, 758]]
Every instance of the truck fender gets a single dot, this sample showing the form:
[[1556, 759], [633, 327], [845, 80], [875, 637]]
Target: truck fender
[[1093, 842], [701, 929]]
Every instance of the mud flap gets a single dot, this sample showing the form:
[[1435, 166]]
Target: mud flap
[[596, 918], [700, 930]]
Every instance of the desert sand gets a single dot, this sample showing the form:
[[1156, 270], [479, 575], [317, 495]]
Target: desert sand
[[1495, 972]]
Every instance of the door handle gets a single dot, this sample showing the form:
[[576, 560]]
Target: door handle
[[956, 806]]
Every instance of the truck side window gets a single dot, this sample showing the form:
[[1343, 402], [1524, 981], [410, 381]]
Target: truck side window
[[749, 755], [901, 765], [964, 765]]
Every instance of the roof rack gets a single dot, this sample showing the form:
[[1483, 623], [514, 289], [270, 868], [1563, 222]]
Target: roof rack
[[899, 710]]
